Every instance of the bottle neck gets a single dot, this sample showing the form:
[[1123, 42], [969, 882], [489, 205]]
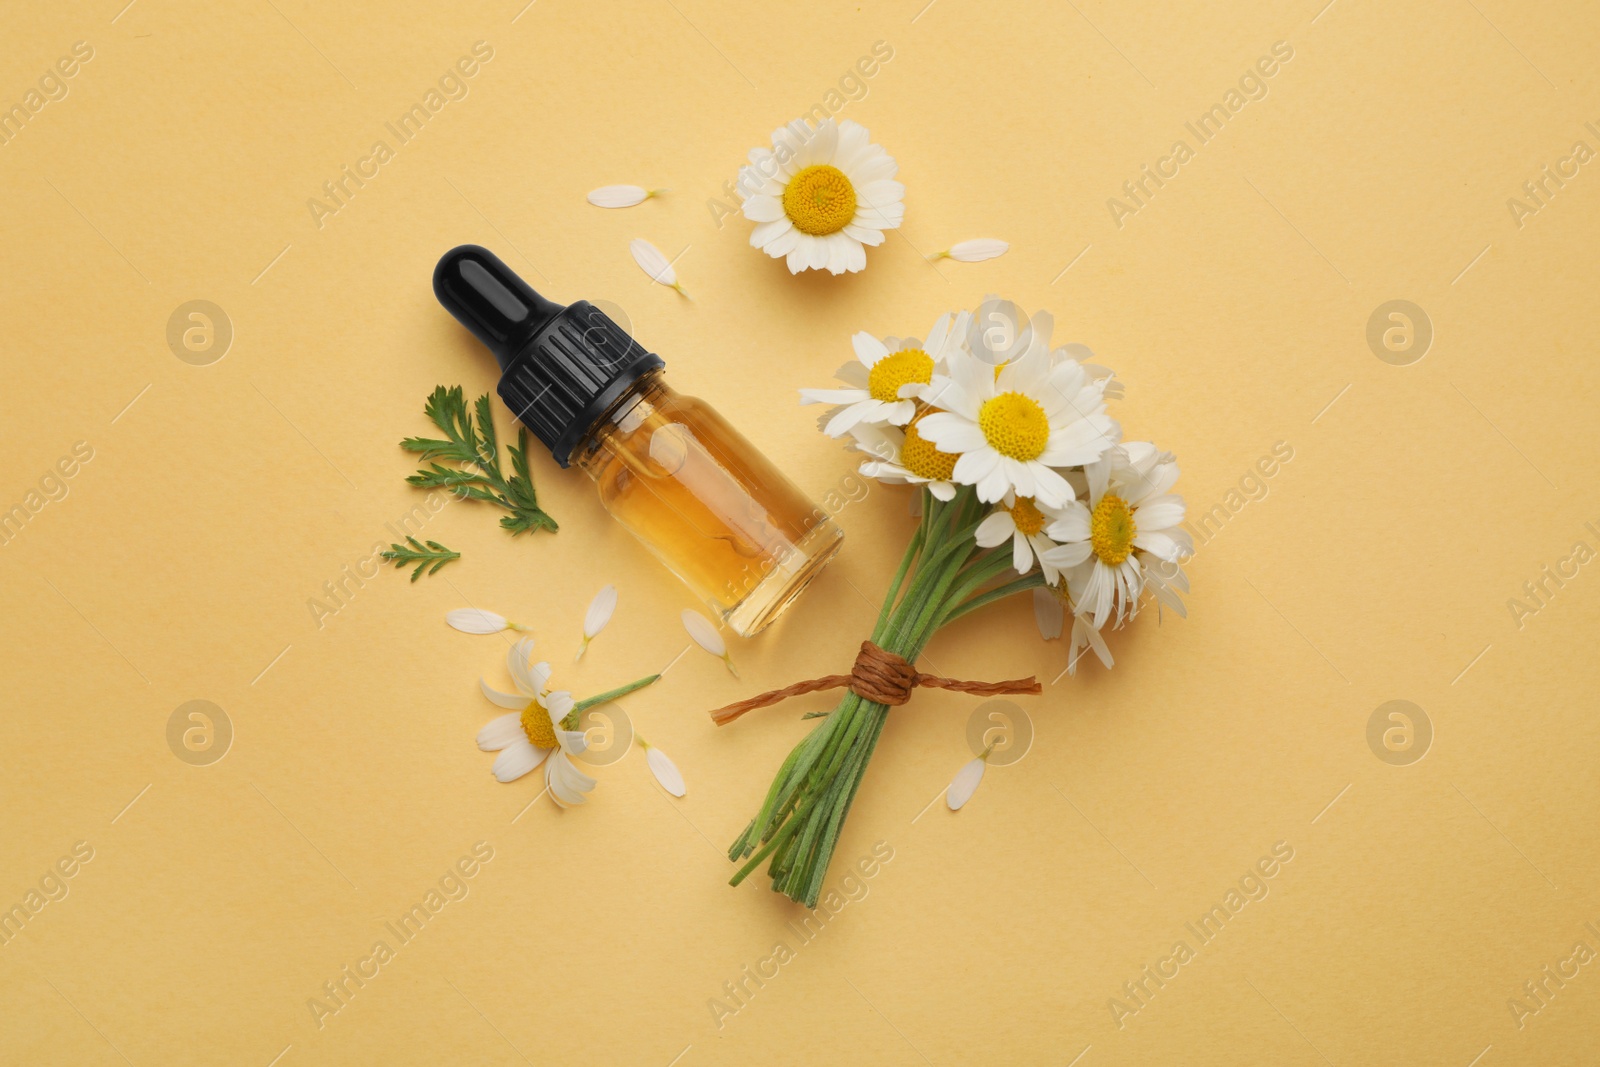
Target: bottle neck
[[639, 405]]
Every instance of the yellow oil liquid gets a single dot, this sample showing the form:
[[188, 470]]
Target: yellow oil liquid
[[708, 505]]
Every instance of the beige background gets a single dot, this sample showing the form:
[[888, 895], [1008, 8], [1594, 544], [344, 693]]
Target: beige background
[[1234, 304]]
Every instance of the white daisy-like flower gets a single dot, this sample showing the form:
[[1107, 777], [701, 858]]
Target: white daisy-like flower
[[887, 376], [534, 735], [1013, 428], [820, 195], [1022, 520], [905, 457], [1130, 519]]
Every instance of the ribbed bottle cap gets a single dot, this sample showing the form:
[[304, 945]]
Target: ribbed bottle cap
[[564, 367]]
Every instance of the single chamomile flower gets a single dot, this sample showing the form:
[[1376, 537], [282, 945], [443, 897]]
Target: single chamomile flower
[[1022, 520], [905, 457], [821, 194], [1014, 427], [887, 376], [534, 735], [1129, 519]]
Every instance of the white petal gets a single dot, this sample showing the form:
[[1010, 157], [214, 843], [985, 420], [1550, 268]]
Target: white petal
[[619, 196], [573, 742], [703, 633], [567, 784], [977, 251], [558, 704], [768, 232], [833, 396], [517, 663], [995, 529], [600, 609], [763, 209], [504, 700], [666, 771], [500, 732], [1048, 613], [475, 621], [652, 262], [964, 784], [518, 759], [868, 348], [1068, 555]]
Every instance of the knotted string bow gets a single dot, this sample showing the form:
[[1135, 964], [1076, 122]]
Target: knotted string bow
[[880, 676]]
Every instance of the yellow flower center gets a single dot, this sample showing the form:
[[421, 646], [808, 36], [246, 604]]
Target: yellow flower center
[[1014, 425], [919, 456], [905, 367], [536, 724], [1112, 529], [1027, 517], [820, 200]]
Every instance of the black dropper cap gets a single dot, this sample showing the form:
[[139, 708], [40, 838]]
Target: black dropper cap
[[563, 368]]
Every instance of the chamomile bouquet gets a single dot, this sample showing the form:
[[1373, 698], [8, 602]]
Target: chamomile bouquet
[[1025, 485]]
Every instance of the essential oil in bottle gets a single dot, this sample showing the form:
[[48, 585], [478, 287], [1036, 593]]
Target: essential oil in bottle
[[668, 467]]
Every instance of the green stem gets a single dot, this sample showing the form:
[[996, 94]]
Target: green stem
[[1033, 580], [570, 720]]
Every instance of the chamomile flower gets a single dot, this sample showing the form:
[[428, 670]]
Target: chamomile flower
[[533, 736], [1022, 520], [1014, 427], [905, 457], [1129, 521], [882, 384], [821, 194]]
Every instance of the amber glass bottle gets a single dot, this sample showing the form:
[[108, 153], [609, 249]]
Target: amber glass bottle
[[668, 467]]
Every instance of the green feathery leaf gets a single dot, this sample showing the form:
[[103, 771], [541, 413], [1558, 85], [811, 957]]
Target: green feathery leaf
[[473, 444], [422, 554]]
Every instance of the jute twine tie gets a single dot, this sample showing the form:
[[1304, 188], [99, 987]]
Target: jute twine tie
[[880, 676]]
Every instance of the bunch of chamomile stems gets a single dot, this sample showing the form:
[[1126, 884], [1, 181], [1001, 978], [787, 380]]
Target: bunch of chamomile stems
[[943, 576]]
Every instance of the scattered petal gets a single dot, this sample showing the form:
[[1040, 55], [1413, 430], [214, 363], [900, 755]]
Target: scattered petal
[[705, 635], [653, 263], [664, 769], [622, 195], [478, 621], [595, 619], [973, 251], [965, 783]]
